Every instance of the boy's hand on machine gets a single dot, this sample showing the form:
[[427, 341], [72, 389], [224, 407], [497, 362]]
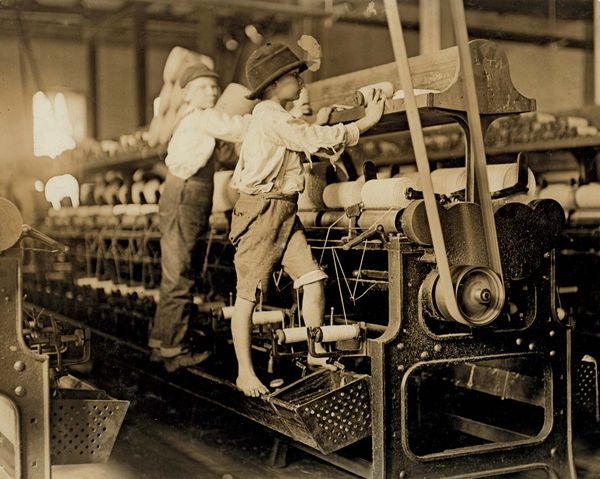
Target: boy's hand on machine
[[375, 105], [323, 115], [373, 110]]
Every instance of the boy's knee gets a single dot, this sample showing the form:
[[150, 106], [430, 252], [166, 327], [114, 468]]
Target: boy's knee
[[315, 289], [243, 309], [313, 277]]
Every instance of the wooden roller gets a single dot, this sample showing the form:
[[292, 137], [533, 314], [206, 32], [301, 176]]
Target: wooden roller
[[324, 334], [291, 335], [275, 316], [342, 332]]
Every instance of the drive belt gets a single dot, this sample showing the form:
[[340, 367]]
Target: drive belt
[[420, 152]]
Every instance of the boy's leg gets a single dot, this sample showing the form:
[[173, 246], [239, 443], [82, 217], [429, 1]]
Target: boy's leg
[[241, 330], [313, 308], [299, 263], [259, 229], [184, 209]]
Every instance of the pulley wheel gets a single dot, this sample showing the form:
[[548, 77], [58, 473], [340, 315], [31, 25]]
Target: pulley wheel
[[479, 294], [11, 224]]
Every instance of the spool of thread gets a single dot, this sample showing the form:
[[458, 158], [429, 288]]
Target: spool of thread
[[506, 175], [119, 210], [137, 190], [585, 217], [342, 195], [99, 193], [86, 194], [124, 193], [150, 191], [259, 317], [268, 317], [344, 332], [362, 93], [291, 335], [588, 196], [447, 180], [221, 198], [111, 192], [576, 121], [138, 175], [386, 193], [389, 219], [227, 312], [148, 209], [309, 218], [450, 180], [330, 217], [561, 192], [315, 182], [133, 210]]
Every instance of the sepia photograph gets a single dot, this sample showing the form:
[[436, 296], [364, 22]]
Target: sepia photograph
[[299, 239]]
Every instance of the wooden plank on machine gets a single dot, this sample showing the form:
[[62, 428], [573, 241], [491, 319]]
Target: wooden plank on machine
[[436, 71]]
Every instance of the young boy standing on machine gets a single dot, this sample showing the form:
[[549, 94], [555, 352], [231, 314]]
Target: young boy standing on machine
[[269, 176]]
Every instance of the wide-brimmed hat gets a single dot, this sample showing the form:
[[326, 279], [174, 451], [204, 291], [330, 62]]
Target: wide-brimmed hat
[[267, 64], [196, 71]]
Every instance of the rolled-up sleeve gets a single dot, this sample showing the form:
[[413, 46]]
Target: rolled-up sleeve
[[298, 135], [222, 126], [352, 134]]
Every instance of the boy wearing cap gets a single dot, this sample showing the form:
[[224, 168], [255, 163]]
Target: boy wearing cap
[[184, 208], [269, 176]]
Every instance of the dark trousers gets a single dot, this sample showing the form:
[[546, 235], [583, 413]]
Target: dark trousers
[[184, 209]]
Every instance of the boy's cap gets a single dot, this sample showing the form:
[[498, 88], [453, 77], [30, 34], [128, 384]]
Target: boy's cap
[[267, 64], [196, 71]]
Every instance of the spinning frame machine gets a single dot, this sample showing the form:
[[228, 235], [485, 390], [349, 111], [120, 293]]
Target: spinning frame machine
[[452, 354], [47, 416]]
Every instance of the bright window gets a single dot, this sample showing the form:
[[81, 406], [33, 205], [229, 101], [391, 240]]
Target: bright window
[[59, 122]]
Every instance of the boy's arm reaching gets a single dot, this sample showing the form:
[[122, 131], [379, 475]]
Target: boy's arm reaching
[[297, 135], [222, 126]]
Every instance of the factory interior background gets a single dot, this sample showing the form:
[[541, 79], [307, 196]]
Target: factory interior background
[[458, 342]]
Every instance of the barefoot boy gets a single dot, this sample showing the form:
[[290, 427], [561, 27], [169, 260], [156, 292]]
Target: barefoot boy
[[269, 176]]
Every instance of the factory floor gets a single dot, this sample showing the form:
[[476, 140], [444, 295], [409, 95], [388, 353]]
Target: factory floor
[[167, 434], [150, 448], [170, 436]]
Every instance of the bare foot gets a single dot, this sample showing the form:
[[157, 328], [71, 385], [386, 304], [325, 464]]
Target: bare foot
[[250, 385], [320, 363]]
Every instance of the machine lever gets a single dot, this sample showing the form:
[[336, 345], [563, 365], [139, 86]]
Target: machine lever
[[31, 232], [365, 235]]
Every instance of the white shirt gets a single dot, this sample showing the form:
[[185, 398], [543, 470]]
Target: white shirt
[[275, 139], [193, 141]]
